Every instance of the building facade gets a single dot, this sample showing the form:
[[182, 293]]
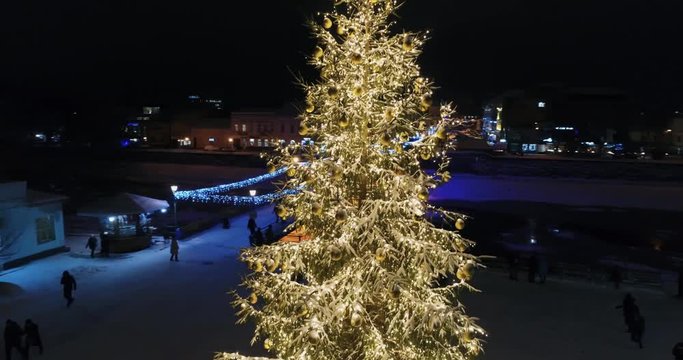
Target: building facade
[[31, 224]]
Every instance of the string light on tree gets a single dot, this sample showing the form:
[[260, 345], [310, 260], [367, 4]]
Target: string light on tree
[[368, 283]]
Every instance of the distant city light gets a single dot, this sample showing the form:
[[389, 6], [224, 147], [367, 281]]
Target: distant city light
[[252, 192], [564, 128], [163, 211], [112, 218], [541, 104]]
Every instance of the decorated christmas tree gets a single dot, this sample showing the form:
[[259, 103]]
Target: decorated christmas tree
[[380, 271]]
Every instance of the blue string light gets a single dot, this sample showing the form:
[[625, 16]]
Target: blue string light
[[183, 195]]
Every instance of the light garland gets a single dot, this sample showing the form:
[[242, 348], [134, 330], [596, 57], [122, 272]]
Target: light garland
[[189, 194], [237, 200]]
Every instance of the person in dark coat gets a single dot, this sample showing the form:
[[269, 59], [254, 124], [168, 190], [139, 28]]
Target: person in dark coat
[[92, 245], [270, 237], [251, 225], [32, 337], [628, 308], [258, 237], [69, 284], [638, 328], [678, 351], [513, 265], [174, 249], [533, 268], [13, 334]]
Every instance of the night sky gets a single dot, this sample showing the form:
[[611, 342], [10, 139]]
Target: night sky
[[129, 52]]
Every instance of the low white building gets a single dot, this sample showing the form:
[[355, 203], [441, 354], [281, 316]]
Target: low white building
[[31, 224]]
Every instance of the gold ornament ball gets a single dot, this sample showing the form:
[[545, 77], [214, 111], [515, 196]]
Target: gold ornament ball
[[425, 155], [318, 53], [253, 298], [303, 130], [271, 265], [302, 309], [291, 171], [340, 30], [358, 91], [467, 336], [316, 208], [335, 252], [271, 168], [385, 140], [426, 101], [403, 136], [280, 211], [380, 254], [327, 23], [340, 215], [460, 224], [310, 107], [423, 195], [408, 43], [267, 344], [258, 266], [355, 319], [463, 274], [441, 134], [314, 335], [356, 58], [343, 123]]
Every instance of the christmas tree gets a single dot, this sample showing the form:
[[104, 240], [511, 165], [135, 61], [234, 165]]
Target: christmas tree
[[379, 276]]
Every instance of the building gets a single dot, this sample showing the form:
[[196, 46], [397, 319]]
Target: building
[[264, 128], [210, 134], [31, 224]]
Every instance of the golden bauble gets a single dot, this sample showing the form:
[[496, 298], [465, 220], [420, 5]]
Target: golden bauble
[[408, 43], [258, 266], [461, 245], [426, 101], [425, 155], [303, 130], [385, 140], [271, 168], [380, 254], [253, 298], [463, 275], [423, 195], [314, 335], [335, 252], [343, 123], [291, 171], [340, 30], [467, 336], [358, 90], [271, 265], [356, 58], [460, 224], [332, 91], [327, 23], [441, 134], [310, 107], [318, 53], [316, 208], [403, 136], [341, 215], [280, 211], [356, 319], [267, 344], [301, 309]]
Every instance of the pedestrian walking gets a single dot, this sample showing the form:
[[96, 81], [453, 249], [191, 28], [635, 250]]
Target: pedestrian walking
[[69, 284], [270, 237], [251, 225], [258, 237], [92, 245], [174, 249], [629, 309], [13, 335], [678, 351], [533, 268], [542, 268], [32, 337], [513, 265], [638, 328]]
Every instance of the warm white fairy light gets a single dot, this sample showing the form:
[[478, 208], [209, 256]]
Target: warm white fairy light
[[376, 280]]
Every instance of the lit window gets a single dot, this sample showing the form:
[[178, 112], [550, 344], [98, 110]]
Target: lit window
[[251, 142], [541, 104], [244, 127], [260, 143], [212, 140], [266, 143], [237, 127]]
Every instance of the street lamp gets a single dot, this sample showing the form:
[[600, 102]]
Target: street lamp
[[252, 192], [174, 188]]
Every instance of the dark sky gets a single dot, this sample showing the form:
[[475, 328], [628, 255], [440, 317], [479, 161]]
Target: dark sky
[[143, 51]]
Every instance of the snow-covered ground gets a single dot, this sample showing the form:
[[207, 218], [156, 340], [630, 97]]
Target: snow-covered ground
[[141, 306]]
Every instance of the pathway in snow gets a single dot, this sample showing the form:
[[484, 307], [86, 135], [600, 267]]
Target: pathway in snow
[[141, 306]]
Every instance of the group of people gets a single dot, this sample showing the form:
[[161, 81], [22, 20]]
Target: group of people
[[91, 244], [256, 236], [21, 339], [537, 264], [635, 322]]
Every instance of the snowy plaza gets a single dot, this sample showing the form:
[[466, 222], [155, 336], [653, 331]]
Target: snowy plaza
[[141, 306]]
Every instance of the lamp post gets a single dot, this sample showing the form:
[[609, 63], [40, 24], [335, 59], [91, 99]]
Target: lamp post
[[252, 193], [174, 188]]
